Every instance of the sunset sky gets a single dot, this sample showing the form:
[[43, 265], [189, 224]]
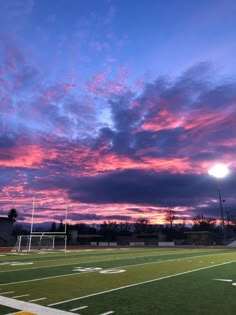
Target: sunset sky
[[117, 108]]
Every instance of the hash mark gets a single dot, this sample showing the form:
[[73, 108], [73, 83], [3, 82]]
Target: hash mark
[[18, 296], [7, 292], [78, 308]]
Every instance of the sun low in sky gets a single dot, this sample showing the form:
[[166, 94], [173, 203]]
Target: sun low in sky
[[116, 108]]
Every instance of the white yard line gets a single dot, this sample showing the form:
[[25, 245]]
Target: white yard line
[[77, 273], [107, 313], [7, 292], [30, 307], [225, 280], [39, 299], [78, 308], [140, 283]]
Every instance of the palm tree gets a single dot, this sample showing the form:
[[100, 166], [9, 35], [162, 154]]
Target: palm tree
[[12, 214]]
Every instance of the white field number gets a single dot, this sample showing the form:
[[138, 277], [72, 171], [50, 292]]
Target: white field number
[[98, 269]]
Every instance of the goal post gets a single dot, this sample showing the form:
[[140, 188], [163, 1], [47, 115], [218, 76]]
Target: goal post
[[44, 239], [28, 243]]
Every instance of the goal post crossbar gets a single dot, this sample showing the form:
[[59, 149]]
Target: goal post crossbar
[[47, 233]]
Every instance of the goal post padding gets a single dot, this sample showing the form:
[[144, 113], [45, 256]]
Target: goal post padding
[[40, 242]]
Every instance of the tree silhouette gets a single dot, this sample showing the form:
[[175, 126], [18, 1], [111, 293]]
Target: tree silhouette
[[170, 217], [12, 214], [61, 227], [53, 227], [202, 223], [141, 225]]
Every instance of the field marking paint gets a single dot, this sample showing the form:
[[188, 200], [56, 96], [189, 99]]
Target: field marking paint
[[140, 283], [7, 292], [71, 264], [39, 299], [78, 308], [14, 263], [107, 313], [30, 307], [72, 274], [226, 280], [99, 270], [18, 296], [40, 279], [21, 263]]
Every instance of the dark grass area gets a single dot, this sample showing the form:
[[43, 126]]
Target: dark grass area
[[194, 293], [7, 310]]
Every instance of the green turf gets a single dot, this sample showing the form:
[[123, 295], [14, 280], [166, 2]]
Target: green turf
[[7, 310], [159, 281]]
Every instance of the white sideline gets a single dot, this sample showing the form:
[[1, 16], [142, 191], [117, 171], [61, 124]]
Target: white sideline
[[140, 283], [77, 273], [30, 307]]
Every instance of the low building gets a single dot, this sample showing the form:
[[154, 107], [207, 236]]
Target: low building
[[201, 237], [6, 228]]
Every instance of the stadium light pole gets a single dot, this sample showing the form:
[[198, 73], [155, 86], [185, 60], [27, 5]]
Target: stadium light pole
[[220, 171]]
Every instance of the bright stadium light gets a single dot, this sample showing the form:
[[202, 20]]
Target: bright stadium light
[[220, 171]]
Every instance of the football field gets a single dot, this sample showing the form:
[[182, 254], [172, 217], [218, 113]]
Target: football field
[[119, 281]]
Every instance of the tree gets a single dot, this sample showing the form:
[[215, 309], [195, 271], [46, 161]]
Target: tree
[[12, 214], [61, 227], [202, 223], [53, 227], [170, 217], [141, 225]]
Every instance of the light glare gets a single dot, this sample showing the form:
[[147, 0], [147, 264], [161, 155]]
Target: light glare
[[219, 171]]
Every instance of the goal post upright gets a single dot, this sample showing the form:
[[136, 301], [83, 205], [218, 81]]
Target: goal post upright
[[29, 244], [32, 218], [19, 244], [66, 217]]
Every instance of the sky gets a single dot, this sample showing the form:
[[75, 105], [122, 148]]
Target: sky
[[116, 109]]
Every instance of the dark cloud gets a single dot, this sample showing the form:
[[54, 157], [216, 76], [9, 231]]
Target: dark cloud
[[169, 116], [135, 210], [95, 217], [147, 188]]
